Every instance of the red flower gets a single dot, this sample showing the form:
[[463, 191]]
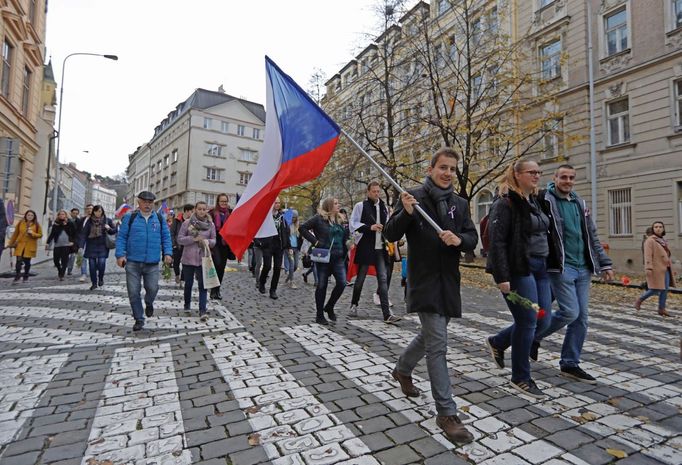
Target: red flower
[[625, 280], [541, 313]]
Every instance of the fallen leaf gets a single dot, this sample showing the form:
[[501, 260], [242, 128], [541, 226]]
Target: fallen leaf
[[254, 439], [465, 409], [589, 416], [619, 454], [643, 418], [252, 409]]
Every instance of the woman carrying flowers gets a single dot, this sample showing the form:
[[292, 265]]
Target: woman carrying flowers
[[197, 236], [517, 259]]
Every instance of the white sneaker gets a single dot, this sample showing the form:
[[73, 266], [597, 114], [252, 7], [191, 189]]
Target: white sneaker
[[82, 279], [292, 285], [353, 312]]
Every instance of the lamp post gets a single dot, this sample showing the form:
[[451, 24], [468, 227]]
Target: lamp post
[[55, 196]]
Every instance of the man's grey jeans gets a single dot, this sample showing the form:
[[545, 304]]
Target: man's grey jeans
[[432, 342], [136, 272]]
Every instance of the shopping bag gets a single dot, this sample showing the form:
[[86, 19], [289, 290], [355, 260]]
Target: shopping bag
[[209, 272]]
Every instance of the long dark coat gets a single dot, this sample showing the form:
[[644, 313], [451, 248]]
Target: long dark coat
[[365, 252], [433, 279], [96, 247]]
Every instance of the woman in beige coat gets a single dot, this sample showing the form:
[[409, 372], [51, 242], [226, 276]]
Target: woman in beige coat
[[657, 264]]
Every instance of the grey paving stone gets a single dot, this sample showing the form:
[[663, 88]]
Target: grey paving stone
[[517, 416], [552, 424], [59, 427], [224, 447], [349, 403], [399, 455], [568, 439], [248, 457], [446, 458], [377, 441], [592, 454], [24, 445], [428, 447], [71, 451], [373, 425], [638, 459], [196, 438], [406, 433], [508, 403], [372, 410], [23, 459]]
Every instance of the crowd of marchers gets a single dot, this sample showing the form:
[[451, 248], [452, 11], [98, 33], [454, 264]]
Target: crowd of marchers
[[542, 246]]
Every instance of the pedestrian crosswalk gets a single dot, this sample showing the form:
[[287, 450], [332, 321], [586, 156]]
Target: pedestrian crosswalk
[[48, 336]]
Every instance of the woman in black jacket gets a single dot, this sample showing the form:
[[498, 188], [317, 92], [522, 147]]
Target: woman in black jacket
[[517, 259], [93, 239], [325, 230], [63, 235]]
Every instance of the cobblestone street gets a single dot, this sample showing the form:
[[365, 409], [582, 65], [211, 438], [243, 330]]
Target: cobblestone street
[[261, 383]]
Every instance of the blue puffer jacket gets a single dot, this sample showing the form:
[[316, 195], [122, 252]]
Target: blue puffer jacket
[[144, 239]]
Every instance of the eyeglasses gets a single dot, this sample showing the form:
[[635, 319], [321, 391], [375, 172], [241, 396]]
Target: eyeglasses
[[534, 173]]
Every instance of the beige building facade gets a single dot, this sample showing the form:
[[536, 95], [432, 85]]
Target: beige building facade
[[637, 75], [22, 32], [209, 144]]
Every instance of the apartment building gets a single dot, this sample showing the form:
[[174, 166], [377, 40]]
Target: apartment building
[[207, 145], [98, 194], [22, 32], [637, 75]]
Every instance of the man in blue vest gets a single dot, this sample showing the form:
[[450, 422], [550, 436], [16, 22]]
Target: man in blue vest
[[142, 238]]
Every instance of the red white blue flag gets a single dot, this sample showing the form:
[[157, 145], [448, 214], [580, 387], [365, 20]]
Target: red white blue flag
[[122, 210], [299, 141]]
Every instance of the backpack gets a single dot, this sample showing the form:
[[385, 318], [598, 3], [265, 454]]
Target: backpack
[[483, 228]]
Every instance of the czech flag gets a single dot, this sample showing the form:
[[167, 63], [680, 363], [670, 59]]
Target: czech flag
[[163, 209], [122, 210], [299, 141]]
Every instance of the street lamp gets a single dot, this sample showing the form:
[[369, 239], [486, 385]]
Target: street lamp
[[55, 196]]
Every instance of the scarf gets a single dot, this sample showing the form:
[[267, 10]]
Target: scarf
[[95, 227], [196, 225], [440, 198], [663, 244], [218, 214]]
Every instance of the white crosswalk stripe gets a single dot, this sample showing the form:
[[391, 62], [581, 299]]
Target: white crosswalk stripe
[[287, 420], [608, 421], [22, 383], [139, 418], [370, 372]]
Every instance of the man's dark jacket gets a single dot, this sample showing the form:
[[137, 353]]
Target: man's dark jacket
[[433, 279], [364, 254]]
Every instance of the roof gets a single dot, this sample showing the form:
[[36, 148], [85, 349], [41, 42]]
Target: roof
[[48, 74], [202, 99]]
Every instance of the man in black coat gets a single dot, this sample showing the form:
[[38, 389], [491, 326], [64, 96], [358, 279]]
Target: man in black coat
[[366, 224], [273, 247], [433, 280]]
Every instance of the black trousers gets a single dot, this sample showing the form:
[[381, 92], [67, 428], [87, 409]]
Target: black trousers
[[220, 253], [177, 256], [271, 254], [27, 266], [60, 257]]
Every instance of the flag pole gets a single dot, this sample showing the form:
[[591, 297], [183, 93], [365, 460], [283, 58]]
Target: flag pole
[[392, 181]]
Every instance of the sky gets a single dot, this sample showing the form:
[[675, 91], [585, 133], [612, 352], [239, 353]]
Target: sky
[[168, 48]]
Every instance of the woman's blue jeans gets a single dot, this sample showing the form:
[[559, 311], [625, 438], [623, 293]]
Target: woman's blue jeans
[[662, 293], [536, 288], [188, 273], [97, 267], [324, 271]]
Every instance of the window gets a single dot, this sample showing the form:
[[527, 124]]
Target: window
[[677, 89], [208, 122], [7, 51], [214, 174], [677, 13], [443, 6], [166, 160], [620, 212], [214, 150], [224, 126], [174, 155], [485, 200], [240, 130], [26, 91], [476, 31], [256, 133], [32, 11], [209, 199], [173, 178], [248, 155], [553, 138], [679, 206], [244, 178], [493, 21], [544, 3], [477, 86], [550, 60], [158, 165], [616, 31], [618, 121]]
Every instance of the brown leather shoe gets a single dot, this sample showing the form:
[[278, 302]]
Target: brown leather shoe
[[638, 304], [664, 312], [454, 429], [406, 385]]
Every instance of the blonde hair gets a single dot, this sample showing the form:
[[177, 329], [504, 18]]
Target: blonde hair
[[325, 210], [509, 181]]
